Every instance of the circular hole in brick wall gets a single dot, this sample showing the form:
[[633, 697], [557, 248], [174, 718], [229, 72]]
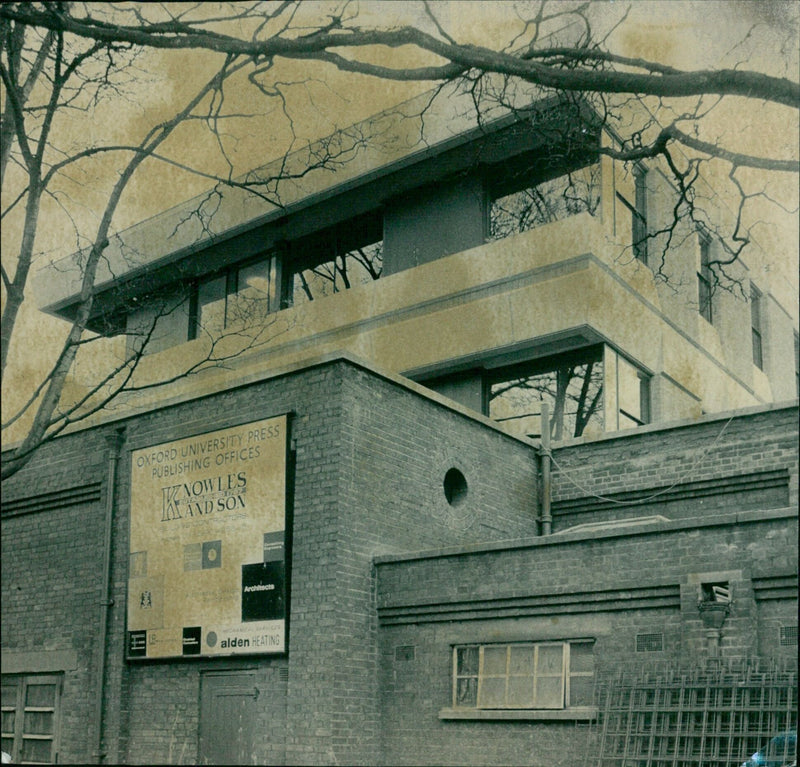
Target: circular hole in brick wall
[[455, 487]]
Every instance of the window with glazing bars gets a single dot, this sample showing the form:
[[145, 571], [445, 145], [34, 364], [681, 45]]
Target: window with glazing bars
[[30, 718], [540, 675]]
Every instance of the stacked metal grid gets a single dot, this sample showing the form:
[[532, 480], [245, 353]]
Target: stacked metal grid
[[717, 714]]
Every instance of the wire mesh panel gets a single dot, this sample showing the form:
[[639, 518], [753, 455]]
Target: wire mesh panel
[[695, 717]]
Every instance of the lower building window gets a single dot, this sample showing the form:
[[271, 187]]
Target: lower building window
[[542, 675], [30, 718]]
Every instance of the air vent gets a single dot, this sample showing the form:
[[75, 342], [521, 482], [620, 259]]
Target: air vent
[[788, 636], [455, 487], [650, 642], [283, 674], [405, 652]]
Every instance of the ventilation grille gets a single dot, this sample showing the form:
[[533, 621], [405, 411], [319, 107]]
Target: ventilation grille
[[788, 635], [650, 642], [283, 674], [405, 652]]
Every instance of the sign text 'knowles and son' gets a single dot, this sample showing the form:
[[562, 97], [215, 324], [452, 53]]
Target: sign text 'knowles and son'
[[200, 497]]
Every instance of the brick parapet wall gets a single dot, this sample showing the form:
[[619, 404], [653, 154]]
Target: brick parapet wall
[[750, 448], [635, 561]]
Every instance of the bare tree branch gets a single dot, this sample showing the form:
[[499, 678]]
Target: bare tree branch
[[67, 58], [656, 81]]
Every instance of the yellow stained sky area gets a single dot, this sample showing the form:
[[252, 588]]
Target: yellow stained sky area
[[760, 36]]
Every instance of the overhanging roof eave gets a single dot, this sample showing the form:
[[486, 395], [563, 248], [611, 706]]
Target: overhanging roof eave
[[66, 306]]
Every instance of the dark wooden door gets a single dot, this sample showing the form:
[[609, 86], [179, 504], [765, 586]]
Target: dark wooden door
[[229, 710]]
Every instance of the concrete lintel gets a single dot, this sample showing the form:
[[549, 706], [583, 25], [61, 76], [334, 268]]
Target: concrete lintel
[[624, 530], [584, 713], [38, 662]]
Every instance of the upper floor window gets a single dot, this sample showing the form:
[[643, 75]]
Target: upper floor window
[[633, 395], [755, 322], [540, 675], [521, 209], [705, 278], [30, 718], [638, 211], [640, 214], [335, 260], [242, 296], [159, 322], [571, 384]]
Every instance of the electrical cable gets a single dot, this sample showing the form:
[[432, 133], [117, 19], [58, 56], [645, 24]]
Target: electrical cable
[[639, 501]]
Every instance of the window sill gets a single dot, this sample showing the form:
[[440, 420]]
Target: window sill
[[583, 713]]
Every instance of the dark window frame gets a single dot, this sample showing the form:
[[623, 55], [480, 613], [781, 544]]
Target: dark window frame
[[231, 275], [755, 327], [705, 278]]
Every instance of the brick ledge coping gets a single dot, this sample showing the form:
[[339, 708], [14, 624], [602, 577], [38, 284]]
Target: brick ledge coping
[[625, 529], [583, 713]]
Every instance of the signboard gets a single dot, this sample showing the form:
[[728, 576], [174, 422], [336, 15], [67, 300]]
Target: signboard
[[207, 572]]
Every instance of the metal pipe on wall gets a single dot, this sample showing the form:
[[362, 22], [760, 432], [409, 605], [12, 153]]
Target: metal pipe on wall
[[547, 518], [114, 444]]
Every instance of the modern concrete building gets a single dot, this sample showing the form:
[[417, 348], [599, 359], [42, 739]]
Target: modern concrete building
[[351, 543], [503, 266]]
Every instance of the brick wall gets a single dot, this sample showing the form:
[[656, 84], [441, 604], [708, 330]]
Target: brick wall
[[718, 464], [396, 451], [52, 564], [607, 586], [370, 457], [370, 460]]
